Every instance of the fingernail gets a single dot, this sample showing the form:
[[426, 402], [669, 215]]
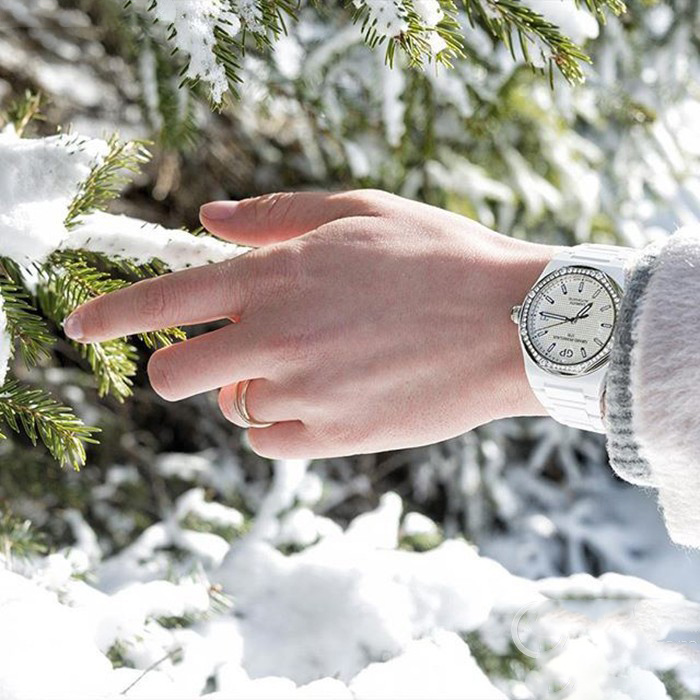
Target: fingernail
[[73, 327], [218, 211]]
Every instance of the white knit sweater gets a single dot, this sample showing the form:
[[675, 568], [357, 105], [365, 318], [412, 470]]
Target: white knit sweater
[[653, 385]]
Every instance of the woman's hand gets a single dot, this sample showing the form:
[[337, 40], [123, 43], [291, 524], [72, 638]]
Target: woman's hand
[[368, 322]]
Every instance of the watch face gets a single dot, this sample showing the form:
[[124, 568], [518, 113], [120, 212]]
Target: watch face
[[568, 318]]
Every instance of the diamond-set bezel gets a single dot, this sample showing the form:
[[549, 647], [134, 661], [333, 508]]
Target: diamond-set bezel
[[583, 367]]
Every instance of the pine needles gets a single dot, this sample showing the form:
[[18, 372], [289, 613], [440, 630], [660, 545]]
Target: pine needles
[[415, 41], [18, 538], [516, 25], [35, 412], [66, 280], [108, 179], [23, 111], [27, 328], [72, 282], [526, 33]]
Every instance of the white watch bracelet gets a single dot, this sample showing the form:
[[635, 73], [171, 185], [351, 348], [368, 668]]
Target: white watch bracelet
[[567, 324]]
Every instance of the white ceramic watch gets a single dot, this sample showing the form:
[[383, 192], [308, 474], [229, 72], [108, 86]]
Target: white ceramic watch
[[567, 323]]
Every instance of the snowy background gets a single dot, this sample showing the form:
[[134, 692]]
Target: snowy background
[[508, 563]]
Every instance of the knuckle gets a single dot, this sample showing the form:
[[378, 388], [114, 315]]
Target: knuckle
[[227, 278], [370, 201], [272, 209], [161, 374]]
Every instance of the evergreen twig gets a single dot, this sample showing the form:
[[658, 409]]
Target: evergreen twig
[[72, 281], [40, 416], [23, 111], [26, 327], [108, 178], [18, 537], [508, 21]]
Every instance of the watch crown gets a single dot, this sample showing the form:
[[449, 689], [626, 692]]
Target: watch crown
[[515, 314]]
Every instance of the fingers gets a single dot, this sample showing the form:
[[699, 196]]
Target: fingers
[[277, 217], [267, 401], [191, 296], [217, 291], [287, 440], [207, 362]]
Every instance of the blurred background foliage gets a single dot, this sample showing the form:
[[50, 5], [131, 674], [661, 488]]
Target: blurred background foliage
[[612, 160]]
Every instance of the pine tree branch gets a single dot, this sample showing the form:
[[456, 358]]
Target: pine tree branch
[[26, 327], [113, 363], [106, 180], [75, 277], [18, 537], [598, 7], [23, 111], [71, 281], [507, 20], [170, 110], [66, 280], [10, 269], [75, 281], [40, 416], [414, 41]]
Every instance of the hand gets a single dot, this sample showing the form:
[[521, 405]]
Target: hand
[[367, 322]]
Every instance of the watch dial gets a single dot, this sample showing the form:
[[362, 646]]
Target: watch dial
[[571, 317]]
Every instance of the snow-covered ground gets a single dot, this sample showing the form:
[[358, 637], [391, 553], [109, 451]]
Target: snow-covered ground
[[296, 607]]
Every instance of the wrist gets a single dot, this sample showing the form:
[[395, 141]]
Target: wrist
[[518, 268]]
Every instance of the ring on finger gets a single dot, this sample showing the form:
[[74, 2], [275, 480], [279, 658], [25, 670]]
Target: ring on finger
[[241, 407]]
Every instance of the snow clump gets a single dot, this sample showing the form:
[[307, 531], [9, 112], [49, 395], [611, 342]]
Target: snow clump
[[194, 23], [350, 616]]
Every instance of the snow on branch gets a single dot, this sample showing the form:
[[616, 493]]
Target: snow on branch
[[38, 182], [193, 28], [50, 189], [140, 242], [211, 36]]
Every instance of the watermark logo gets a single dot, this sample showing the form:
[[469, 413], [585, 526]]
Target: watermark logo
[[527, 620], [531, 637]]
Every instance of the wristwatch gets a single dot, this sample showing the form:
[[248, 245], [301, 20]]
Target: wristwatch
[[567, 324]]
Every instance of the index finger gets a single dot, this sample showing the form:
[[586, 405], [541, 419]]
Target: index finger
[[196, 295]]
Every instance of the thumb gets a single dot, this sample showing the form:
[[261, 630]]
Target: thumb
[[277, 217]]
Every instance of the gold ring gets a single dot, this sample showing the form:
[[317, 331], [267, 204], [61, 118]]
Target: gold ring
[[241, 407]]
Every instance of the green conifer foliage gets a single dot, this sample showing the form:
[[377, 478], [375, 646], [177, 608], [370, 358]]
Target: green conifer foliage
[[68, 278]]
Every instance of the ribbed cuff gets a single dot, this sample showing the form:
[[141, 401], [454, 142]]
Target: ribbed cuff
[[623, 448]]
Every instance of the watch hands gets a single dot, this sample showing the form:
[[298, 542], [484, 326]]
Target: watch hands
[[583, 311], [547, 314], [560, 323]]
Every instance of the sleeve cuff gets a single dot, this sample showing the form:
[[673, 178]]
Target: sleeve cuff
[[653, 383]]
